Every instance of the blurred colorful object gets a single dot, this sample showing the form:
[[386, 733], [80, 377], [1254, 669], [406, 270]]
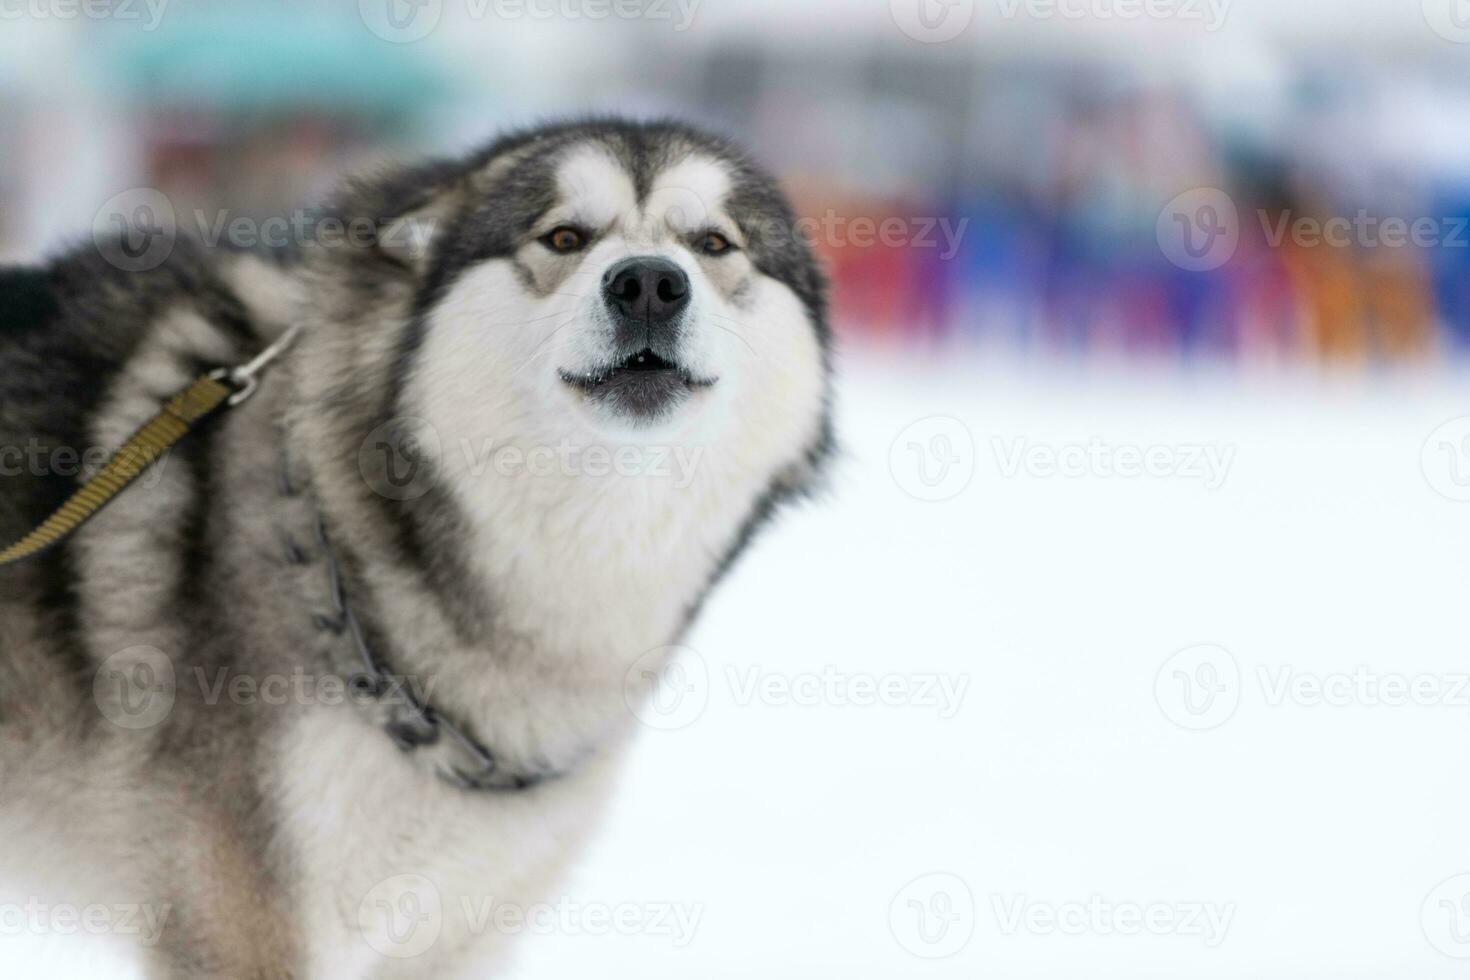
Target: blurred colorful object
[[961, 195], [264, 56]]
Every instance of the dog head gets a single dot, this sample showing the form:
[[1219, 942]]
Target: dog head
[[625, 278], [598, 283]]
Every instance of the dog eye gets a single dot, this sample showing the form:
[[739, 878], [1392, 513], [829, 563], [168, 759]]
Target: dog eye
[[564, 240], [714, 243]]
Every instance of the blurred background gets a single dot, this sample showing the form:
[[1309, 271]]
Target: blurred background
[[976, 172], [1231, 233]]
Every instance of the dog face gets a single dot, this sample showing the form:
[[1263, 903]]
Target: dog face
[[568, 379], [641, 286], [611, 283]]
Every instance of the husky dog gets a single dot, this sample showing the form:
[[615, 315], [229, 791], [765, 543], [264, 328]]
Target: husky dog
[[363, 651]]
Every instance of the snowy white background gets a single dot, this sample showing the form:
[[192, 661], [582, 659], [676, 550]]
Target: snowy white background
[[1316, 832]]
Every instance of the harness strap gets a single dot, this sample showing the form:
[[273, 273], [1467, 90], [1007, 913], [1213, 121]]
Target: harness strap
[[181, 414]]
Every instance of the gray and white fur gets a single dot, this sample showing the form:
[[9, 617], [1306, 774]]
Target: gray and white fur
[[172, 731]]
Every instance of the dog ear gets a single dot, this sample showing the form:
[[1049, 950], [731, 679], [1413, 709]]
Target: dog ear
[[408, 238]]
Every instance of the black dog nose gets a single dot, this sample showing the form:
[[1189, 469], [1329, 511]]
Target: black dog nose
[[647, 289]]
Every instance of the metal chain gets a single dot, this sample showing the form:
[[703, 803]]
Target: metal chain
[[410, 723]]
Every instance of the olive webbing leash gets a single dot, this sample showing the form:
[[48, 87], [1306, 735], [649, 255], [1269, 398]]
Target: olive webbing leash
[[226, 387]]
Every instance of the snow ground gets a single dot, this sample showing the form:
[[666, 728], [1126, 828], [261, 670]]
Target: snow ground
[[1093, 805]]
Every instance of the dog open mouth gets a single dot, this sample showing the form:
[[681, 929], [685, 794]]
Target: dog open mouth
[[644, 384]]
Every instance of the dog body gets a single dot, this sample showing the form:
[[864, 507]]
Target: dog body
[[525, 427]]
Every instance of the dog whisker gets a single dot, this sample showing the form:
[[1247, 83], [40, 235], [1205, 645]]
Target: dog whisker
[[714, 319], [546, 340]]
